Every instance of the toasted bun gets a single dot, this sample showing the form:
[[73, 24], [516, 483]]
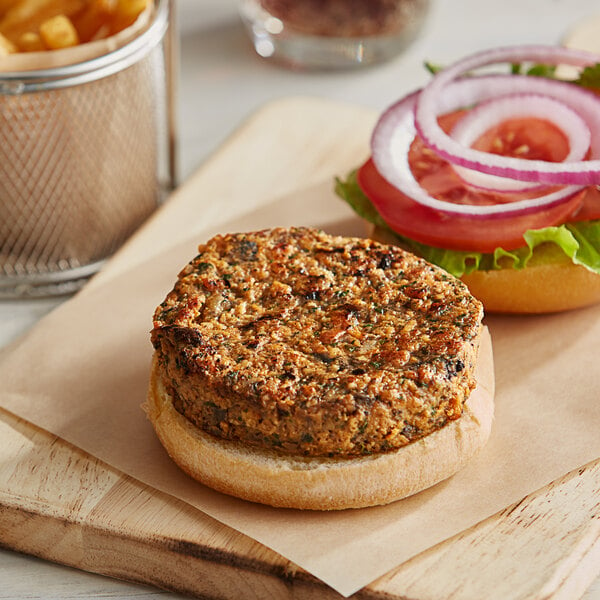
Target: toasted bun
[[549, 283], [541, 288], [326, 483]]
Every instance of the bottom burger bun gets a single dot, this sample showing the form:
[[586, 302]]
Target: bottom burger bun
[[551, 282], [539, 288], [268, 477]]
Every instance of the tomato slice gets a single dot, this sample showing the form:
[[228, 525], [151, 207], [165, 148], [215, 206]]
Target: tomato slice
[[527, 138], [590, 207]]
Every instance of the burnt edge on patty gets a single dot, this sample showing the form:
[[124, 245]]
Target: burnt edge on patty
[[316, 345]]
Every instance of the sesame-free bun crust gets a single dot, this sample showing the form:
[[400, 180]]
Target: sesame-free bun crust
[[269, 477], [550, 283], [538, 288]]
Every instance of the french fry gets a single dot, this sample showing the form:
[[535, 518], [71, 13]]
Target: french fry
[[93, 18], [6, 5], [30, 42], [34, 25], [28, 15], [58, 32], [6, 46], [126, 12]]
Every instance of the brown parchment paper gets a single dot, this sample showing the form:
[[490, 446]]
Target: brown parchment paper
[[82, 372]]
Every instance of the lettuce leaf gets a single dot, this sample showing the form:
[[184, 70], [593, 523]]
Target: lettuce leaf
[[578, 242], [590, 77]]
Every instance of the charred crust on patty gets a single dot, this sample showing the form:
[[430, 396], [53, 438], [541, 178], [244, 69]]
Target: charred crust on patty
[[316, 345]]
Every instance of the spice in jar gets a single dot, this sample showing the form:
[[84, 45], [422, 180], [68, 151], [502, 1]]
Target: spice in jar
[[345, 18]]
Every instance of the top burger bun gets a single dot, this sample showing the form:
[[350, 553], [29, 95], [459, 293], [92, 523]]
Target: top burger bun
[[550, 283], [311, 371]]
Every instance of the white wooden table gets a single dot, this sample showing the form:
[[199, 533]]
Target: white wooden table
[[222, 82]]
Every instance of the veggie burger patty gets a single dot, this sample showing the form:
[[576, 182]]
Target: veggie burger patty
[[316, 345]]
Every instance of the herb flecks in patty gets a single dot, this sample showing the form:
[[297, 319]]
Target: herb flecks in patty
[[315, 344]]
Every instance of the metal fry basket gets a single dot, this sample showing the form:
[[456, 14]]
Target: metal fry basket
[[86, 151]]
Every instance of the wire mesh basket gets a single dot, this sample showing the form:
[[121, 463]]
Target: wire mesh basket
[[86, 151]]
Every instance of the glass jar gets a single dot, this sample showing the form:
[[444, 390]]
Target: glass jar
[[332, 34]]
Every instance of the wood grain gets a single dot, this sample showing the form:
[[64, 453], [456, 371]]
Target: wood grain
[[63, 505]]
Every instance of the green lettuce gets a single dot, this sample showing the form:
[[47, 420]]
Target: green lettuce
[[577, 242]]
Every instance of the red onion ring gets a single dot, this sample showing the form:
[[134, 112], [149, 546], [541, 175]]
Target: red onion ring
[[395, 132], [493, 112], [432, 102]]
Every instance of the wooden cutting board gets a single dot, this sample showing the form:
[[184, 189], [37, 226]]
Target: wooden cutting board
[[63, 505]]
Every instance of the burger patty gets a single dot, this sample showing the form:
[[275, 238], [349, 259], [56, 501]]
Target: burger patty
[[317, 345]]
